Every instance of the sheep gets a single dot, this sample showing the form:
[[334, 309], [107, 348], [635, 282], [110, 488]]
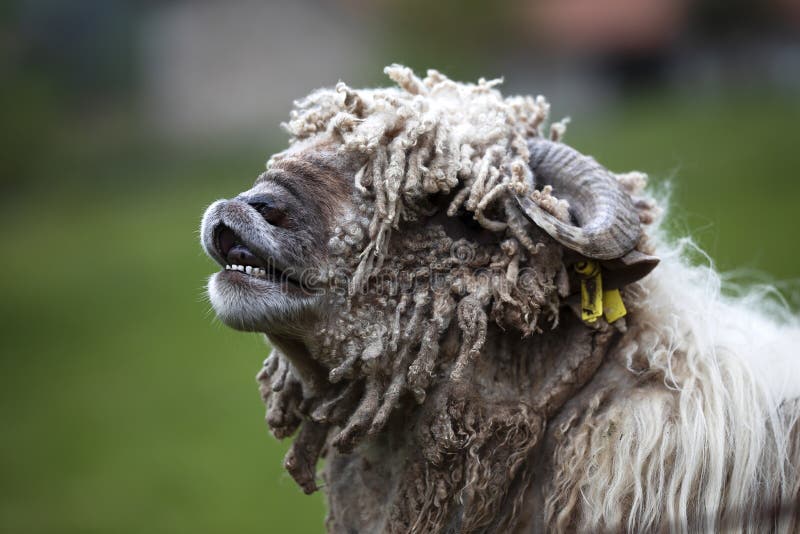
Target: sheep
[[430, 264]]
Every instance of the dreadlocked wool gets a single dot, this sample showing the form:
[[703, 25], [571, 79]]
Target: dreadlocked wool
[[428, 140], [426, 137]]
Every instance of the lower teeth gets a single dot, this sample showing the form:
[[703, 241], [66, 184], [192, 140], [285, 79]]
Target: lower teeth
[[247, 269]]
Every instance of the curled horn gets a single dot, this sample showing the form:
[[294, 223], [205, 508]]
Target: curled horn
[[605, 224]]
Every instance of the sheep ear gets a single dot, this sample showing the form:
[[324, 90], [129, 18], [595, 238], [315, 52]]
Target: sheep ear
[[627, 269]]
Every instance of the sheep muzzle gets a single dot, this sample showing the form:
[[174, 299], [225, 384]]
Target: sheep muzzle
[[263, 258]]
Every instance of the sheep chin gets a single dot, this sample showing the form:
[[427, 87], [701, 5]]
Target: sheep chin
[[257, 306]]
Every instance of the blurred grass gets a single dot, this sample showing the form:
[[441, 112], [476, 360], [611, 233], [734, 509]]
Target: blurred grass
[[732, 166], [128, 408]]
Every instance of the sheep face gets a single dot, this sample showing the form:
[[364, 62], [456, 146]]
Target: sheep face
[[271, 242]]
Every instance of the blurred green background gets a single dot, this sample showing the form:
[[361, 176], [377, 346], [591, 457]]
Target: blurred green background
[[126, 406]]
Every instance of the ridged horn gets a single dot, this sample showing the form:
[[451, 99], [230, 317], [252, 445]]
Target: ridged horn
[[606, 225]]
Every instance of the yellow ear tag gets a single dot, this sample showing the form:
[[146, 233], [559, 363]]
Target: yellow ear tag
[[594, 301], [613, 308], [591, 290]]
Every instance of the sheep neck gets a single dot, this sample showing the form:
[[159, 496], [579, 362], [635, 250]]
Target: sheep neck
[[466, 457]]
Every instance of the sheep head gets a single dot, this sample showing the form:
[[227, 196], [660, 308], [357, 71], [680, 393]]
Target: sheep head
[[398, 231], [272, 240]]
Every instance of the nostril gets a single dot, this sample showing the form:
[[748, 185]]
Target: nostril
[[271, 213]]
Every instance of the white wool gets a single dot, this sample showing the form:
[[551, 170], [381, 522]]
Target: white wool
[[704, 447]]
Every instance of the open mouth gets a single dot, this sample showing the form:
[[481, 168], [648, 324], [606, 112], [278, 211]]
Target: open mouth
[[238, 257]]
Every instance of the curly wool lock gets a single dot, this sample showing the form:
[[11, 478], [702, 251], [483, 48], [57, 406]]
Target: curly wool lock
[[426, 137]]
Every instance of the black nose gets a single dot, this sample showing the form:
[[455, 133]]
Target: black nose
[[273, 211]]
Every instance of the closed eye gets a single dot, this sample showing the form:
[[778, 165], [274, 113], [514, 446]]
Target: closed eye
[[272, 209], [271, 213]]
